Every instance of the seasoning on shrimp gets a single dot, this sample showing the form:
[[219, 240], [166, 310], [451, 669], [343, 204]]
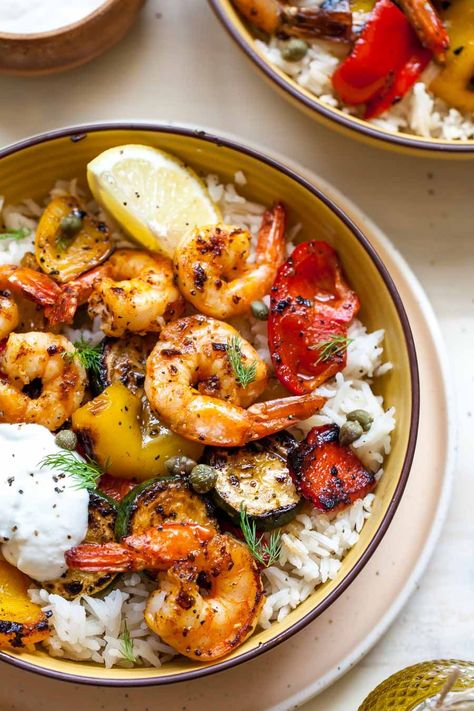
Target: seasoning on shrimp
[[138, 294], [25, 282], [213, 269], [191, 384], [39, 385]]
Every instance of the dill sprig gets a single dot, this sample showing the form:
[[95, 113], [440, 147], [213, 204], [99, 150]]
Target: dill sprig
[[266, 552], [87, 473], [18, 234], [335, 346], [126, 646], [87, 354], [244, 373]]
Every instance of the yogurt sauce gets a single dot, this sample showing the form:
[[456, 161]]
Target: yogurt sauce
[[42, 515], [30, 16]]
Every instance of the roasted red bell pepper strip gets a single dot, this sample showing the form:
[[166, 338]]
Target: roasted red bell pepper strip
[[326, 473], [388, 55], [116, 488], [311, 308], [402, 84]]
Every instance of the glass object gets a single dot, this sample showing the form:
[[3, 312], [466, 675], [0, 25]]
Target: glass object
[[439, 685]]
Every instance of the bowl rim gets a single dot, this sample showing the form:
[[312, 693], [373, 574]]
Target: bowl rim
[[63, 29], [78, 133], [345, 121]]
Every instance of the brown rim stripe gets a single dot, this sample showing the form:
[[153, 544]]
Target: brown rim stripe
[[397, 139], [82, 131]]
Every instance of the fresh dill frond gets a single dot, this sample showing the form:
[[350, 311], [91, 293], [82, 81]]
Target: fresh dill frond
[[126, 646], [266, 552], [18, 234], [86, 473], [244, 373], [87, 354], [332, 348]]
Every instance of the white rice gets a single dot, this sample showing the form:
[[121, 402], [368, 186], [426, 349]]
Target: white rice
[[313, 545], [419, 113]]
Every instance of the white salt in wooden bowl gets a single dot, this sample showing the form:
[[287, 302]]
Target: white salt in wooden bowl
[[71, 45]]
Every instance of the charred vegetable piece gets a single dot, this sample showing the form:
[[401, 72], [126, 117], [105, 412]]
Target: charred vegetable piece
[[101, 529], [257, 477], [455, 82], [116, 489], [332, 19], [120, 432], [311, 309], [66, 253], [21, 622], [166, 499], [385, 62], [327, 473], [124, 360]]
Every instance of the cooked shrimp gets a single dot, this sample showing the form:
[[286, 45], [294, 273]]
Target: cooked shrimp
[[9, 313], [207, 606], [273, 16], [428, 26], [212, 266], [33, 285], [192, 385], [137, 296], [38, 384], [73, 294], [154, 549]]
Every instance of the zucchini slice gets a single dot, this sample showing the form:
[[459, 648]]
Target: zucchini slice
[[102, 519], [123, 359], [159, 500], [257, 476]]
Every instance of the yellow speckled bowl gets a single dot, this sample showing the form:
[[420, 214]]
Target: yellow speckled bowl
[[28, 169], [317, 109]]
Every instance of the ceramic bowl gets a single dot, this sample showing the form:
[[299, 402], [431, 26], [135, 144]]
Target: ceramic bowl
[[30, 168], [71, 45], [325, 114]]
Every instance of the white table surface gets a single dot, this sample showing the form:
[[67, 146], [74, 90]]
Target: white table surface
[[178, 64]]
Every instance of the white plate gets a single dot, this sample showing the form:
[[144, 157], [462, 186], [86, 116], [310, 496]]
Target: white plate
[[314, 658]]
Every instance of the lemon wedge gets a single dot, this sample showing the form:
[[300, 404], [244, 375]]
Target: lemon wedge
[[152, 195]]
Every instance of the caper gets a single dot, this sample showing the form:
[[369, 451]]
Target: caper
[[362, 417], [71, 224], [349, 432], [203, 478], [66, 439], [294, 49], [180, 465], [259, 310]]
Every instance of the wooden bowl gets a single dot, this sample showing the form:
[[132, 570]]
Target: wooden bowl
[[30, 168], [330, 116], [69, 46]]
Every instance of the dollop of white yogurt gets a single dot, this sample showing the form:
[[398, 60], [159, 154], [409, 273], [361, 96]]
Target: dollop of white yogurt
[[31, 16], [42, 515]]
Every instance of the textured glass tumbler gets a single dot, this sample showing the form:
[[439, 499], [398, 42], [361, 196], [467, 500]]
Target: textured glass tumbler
[[418, 688]]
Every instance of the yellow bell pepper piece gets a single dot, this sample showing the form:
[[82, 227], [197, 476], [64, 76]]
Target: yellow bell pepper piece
[[21, 621], [124, 437], [362, 5], [455, 82]]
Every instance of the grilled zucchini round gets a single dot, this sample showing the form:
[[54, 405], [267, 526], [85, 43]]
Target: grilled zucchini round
[[256, 476], [163, 499], [122, 359], [101, 529]]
